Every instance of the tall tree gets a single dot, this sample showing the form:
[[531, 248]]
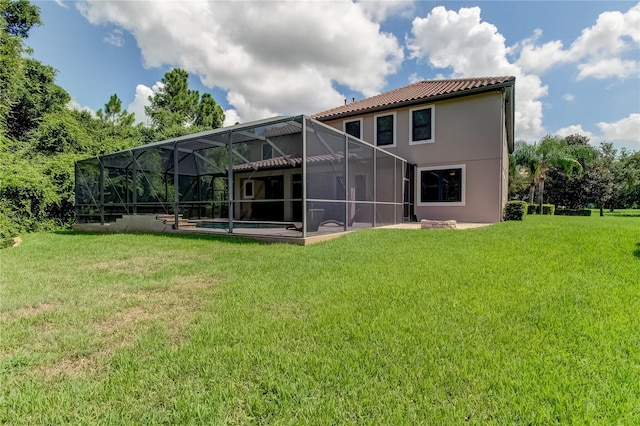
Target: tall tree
[[18, 17], [556, 152], [526, 157], [177, 110], [209, 114], [16, 20], [113, 113], [37, 96], [115, 128]]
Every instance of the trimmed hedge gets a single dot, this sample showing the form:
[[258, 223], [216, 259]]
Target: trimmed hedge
[[515, 210], [546, 209], [573, 212]]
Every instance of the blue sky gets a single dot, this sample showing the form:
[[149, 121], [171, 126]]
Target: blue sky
[[577, 63]]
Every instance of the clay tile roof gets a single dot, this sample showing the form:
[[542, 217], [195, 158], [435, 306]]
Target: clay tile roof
[[279, 162], [422, 90]]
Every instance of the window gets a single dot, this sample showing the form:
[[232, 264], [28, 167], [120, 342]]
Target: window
[[248, 189], [385, 130], [421, 123], [267, 151], [441, 186], [354, 128]]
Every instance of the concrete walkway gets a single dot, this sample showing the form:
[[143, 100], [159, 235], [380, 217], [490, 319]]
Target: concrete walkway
[[459, 225]]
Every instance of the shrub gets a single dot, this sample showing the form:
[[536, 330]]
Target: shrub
[[546, 209], [573, 212], [8, 229], [515, 210]]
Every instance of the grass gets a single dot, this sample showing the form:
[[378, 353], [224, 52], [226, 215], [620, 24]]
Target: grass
[[532, 322], [617, 212]]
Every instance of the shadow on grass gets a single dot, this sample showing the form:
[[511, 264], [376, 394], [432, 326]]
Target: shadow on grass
[[636, 252], [226, 239]]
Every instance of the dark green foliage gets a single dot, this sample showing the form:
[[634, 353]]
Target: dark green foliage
[[176, 110], [37, 96], [547, 209], [573, 212], [18, 17], [609, 178], [515, 210]]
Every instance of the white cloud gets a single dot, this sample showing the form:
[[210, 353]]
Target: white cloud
[[568, 97], [607, 49], [231, 117], [625, 130], [115, 37], [611, 67], [538, 59], [61, 4], [414, 78], [600, 49], [469, 47], [141, 100], [572, 130], [379, 11], [271, 57], [74, 105]]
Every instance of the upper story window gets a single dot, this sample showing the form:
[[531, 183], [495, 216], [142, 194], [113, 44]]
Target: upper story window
[[267, 151], [442, 186], [422, 125], [354, 128], [384, 131]]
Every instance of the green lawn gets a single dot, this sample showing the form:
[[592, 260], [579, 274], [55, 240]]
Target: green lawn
[[533, 322]]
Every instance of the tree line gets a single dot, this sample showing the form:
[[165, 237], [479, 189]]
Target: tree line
[[569, 172], [41, 137]]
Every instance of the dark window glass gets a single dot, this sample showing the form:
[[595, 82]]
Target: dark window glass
[[353, 128], [421, 120], [248, 189], [267, 151], [441, 185], [384, 127]]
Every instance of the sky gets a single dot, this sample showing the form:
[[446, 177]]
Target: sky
[[576, 63]]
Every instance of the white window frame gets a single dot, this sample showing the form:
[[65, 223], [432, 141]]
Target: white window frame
[[248, 183], [344, 125], [433, 125], [463, 195], [395, 127]]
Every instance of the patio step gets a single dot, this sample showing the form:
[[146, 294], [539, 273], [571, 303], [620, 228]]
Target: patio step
[[169, 219]]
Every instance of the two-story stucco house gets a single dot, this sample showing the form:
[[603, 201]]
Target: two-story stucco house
[[457, 133]]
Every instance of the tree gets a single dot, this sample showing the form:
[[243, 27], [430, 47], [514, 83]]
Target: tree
[[16, 19], [627, 177], [177, 110], [551, 153], [37, 96], [527, 158], [114, 114]]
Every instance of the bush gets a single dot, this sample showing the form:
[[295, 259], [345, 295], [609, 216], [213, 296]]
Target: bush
[[8, 229], [546, 209], [573, 212], [515, 210]]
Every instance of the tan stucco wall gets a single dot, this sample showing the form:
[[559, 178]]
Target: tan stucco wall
[[470, 131]]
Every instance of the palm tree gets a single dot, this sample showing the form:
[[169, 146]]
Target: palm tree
[[551, 152], [526, 157]]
